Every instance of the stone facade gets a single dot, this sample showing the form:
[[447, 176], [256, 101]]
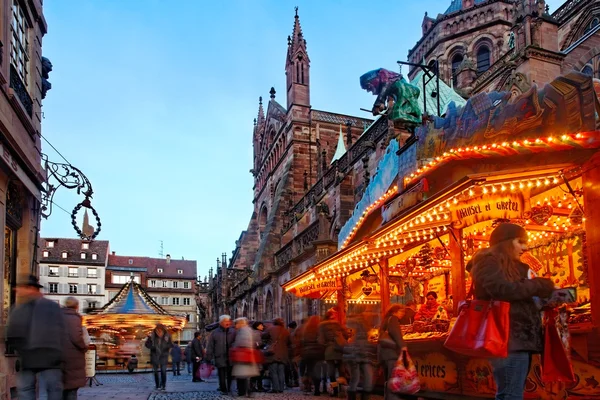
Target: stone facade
[[23, 81]]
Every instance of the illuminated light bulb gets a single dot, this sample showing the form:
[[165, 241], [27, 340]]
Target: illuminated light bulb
[[555, 181], [538, 183], [550, 138], [546, 182], [471, 193], [521, 186], [529, 184], [564, 137], [512, 187], [455, 201], [502, 188], [579, 136], [515, 143]]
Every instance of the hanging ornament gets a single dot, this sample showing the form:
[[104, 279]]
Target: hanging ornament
[[576, 216], [367, 290], [541, 214]]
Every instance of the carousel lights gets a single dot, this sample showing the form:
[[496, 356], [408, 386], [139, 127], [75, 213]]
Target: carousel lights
[[466, 152]]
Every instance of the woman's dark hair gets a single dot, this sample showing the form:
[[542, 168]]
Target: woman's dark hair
[[432, 294], [500, 252], [256, 324], [393, 309]]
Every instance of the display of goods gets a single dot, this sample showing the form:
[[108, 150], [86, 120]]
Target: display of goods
[[581, 315]]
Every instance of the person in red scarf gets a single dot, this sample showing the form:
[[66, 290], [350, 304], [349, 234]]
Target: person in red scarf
[[431, 309]]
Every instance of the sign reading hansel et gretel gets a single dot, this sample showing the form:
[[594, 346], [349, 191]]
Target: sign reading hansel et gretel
[[485, 208], [316, 286]]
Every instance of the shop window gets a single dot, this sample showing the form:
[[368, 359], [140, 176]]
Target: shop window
[[456, 61], [483, 59]]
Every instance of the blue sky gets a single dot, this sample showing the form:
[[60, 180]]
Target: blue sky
[[154, 100]]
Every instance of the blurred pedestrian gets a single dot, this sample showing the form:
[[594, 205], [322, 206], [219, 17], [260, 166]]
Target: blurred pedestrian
[[291, 372], [159, 342], [278, 347], [132, 364], [36, 330], [361, 355], [187, 353], [75, 348], [176, 359], [313, 354], [245, 343], [333, 337], [257, 382], [196, 356], [219, 343], [391, 342]]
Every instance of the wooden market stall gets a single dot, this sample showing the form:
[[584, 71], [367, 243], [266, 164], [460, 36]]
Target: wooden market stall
[[541, 171]]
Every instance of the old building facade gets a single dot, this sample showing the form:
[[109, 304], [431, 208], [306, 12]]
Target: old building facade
[[306, 191], [171, 283], [23, 81], [73, 267]]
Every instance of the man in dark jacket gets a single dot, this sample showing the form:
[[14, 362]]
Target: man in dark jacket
[[75, 348], [36, 330], [219, 343], [159, 342], [187, 353], [176, 359], [196, 356], [277, 353]]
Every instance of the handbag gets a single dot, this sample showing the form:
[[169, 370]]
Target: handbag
[[204, 371], [481, 329], [270, 349], [556, 360], [385, 340], [245, 355], [404, 378]]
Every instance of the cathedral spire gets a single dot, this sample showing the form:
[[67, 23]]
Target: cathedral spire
[[297, 68], [86, 228], [261, 112]]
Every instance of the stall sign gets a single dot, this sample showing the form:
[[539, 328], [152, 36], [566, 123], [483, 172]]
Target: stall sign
[[90, 363], [437, 284], [503, 206], [436, 372], [314, 286]]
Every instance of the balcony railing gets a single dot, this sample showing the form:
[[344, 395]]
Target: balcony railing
[[20, 90], [73, 275]]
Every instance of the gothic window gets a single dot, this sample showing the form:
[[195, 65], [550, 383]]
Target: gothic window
[[269, 306], [289, 317], [302, 73], [456, 61], [483, 59], [594, 23], [588, 70], [255, 315], [262, 221], [297, 72]]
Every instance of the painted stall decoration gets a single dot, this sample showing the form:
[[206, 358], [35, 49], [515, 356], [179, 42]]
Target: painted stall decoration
[[437, 373], [488, 207], [316, 287], [378, 189], [565, 105]]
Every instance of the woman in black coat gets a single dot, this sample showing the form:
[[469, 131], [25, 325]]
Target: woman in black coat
[[391, 342], [499, 274], [159, 342]]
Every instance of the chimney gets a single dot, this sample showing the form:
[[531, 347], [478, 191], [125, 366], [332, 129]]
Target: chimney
[[168, 258], [114, 253]]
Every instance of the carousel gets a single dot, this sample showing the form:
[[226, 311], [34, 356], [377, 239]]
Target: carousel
[[119, 329]]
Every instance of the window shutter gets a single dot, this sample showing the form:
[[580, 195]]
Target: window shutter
[[82, 288], [43, 270]]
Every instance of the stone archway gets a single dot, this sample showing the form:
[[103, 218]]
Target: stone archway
[[255, 313], [269, 306]]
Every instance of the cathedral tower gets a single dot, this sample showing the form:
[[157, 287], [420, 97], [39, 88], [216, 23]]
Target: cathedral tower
[[297, 68]]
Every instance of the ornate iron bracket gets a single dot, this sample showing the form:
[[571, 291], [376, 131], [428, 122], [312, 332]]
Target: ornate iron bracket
[[70, 177]]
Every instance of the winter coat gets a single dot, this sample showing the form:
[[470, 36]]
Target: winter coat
[[188, 352], [175, 354], [245, 338], [279, 343], [159, 348], [333, 337], [312, 350], [392, 327], [490, 281], [196, 350], [359, 349], [219, 343], [36, 330], [74, 352]]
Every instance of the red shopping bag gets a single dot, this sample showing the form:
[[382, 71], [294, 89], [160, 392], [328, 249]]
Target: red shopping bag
[[556, 358], [204, 371], [404, 377], [481, 329], [246, 355]]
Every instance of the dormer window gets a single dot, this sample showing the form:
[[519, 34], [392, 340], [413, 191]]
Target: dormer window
[[85, 246], [159, 270], [94, 256], [83, 256], [180, 271], [130, 261], [64, 254], [50, 244], [46, 253]]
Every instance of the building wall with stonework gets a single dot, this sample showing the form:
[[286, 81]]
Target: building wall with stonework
[[23, 82]]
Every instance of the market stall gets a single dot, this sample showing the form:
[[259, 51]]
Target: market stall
[[119, 329], [539, 169]]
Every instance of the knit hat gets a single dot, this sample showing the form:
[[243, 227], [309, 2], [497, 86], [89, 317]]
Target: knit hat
[[507, 232]]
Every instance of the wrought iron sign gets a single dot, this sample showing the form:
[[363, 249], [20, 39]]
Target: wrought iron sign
[[70, 177]]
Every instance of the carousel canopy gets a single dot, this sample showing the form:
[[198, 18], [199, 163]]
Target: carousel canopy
[[133, 307]]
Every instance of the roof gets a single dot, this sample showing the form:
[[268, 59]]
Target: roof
[[132, 299], [447, 95], [74, 249], [456, 5], [334, 118], [169, 267], [341, 147]]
